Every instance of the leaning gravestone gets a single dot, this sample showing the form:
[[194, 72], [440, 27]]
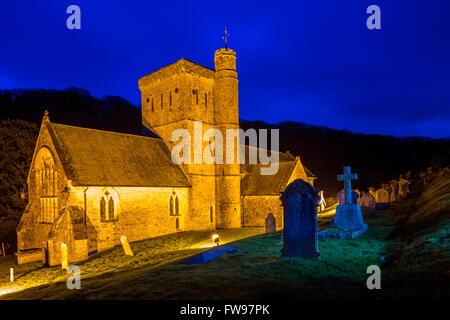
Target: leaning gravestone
[[300, 201], [271, 223], [126, 246]]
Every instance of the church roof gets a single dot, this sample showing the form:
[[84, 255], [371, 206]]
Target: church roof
[[102, 158], [179, 66], [256, 184]]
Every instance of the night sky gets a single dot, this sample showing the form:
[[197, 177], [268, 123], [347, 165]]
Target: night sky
[[306, 61]]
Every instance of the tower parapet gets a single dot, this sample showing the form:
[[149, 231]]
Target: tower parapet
[[226, 87]]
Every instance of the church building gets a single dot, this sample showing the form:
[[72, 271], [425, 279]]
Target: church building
[[87, 187]]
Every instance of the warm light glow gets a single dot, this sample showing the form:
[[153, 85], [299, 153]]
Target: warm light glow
[[216, 238], [328, 212], [11, 290], [207, 246]]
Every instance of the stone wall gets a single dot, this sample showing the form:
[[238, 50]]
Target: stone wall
[[141, 213], [31, 232], [256, 208]]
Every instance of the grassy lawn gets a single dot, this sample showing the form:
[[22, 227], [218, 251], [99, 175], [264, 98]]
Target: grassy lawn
[[255, 271], [34, 280]]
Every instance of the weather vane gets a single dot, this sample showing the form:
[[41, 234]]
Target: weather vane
[[225, 37]]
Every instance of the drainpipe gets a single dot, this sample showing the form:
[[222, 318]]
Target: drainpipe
[[85, 208]]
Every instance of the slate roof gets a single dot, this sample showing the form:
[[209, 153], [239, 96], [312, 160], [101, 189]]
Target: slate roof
[[255, 184], [102, 158]]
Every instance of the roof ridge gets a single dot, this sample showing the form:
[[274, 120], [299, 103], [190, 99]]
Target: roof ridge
[[106, 131]]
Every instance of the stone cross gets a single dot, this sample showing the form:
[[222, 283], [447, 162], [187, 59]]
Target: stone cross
[[126, 246], [347, 177]]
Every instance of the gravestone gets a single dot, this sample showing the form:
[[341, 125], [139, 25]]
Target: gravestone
[[403, 188], [126, 246], [341, 196], [367, 204], [209, 255], [271, 223], [382, 198], [300, 201], [348, 215], [392, 192], [372, 191], [64, 256]]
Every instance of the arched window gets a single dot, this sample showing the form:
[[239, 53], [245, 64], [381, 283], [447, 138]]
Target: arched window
[[177, 208], [206, 100], [171, 206], [177, 223], [111, 209], [45, 185], [153, 106], [107, 207], [103, 209], [211, 214], [174, 205]]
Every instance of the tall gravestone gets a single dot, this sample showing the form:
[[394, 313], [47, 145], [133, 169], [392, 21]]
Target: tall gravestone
[[348, 215], [300, 201], [64, 256], [271, 223]]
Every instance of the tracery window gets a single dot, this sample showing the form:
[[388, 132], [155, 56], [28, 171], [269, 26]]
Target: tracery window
[[45, 175]]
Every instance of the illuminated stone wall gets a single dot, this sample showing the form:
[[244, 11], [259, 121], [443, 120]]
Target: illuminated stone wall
[[140, 213], [256, 209], [31, 232], [176, 96]]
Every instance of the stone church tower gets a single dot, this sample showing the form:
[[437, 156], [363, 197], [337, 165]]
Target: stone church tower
[[226, 103], [176, 97]]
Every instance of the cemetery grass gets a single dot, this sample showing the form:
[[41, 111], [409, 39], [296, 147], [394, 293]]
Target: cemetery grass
[[100, 271], [254, 272]]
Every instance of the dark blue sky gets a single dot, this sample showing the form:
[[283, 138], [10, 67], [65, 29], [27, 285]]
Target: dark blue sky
[[306, 61]]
